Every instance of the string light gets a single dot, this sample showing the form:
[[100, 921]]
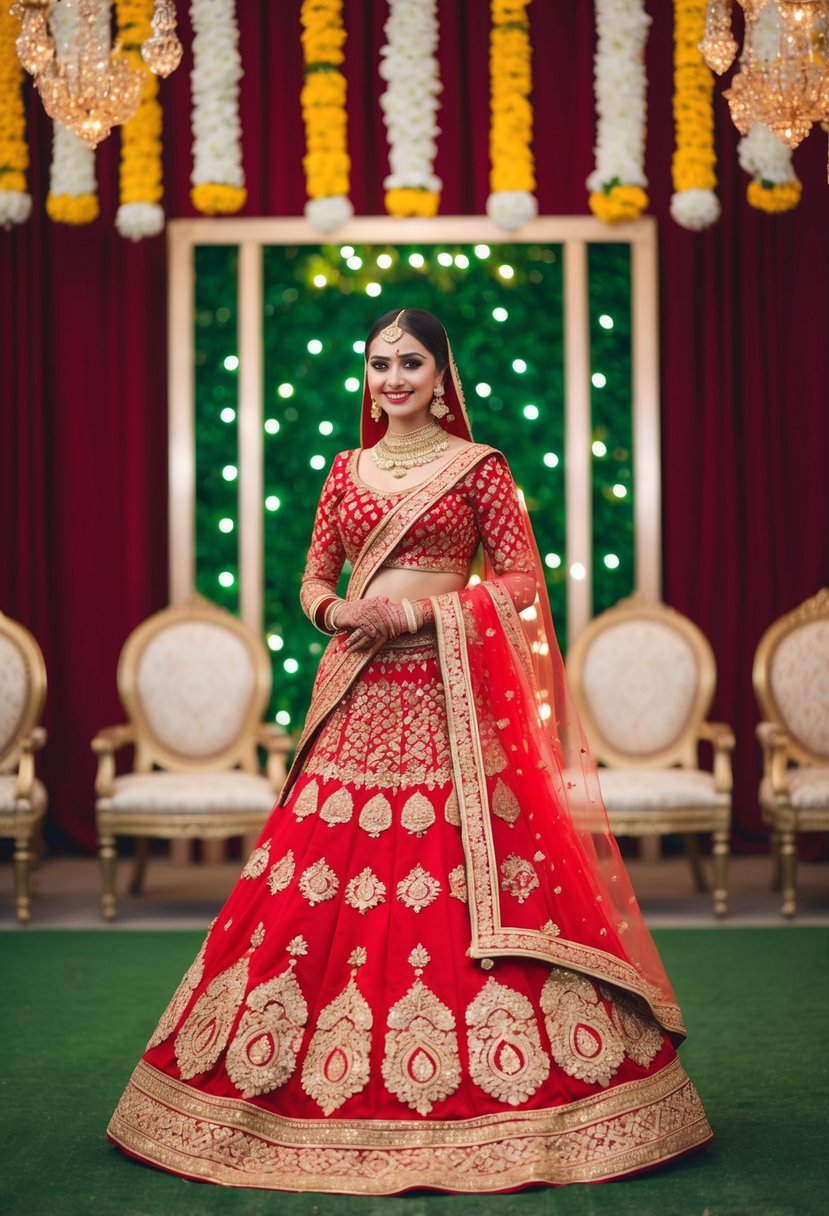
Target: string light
[[358, 347], [291, 666], [231, 363], [551, 460], [275, 642], [482, 251], [354, 263], [553, 560], [599, 448], [227, 414], [619, 490], [461, 261], [317, 462], [416, 260], [225, 525], [384, 261], [347, 251], [230, 472], [352, 384], [518, 365], [226, 579], [285, 391], [272, 426], [611, 561], [314, 346], [272, 503], [283, 718], [606, 321], [373, 289], [598, 379], [506, 272], [320, 280], [483, 389], [326, 428], [445, 259], [499, 314], [531, 412]]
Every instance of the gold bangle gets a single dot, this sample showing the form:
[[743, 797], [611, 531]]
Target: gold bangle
[[411, 619], [328, 617]]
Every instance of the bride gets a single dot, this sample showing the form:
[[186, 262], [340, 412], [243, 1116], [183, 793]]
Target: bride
[[432, 971]]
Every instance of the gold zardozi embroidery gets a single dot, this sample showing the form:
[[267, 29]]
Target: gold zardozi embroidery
[[418, 889], [203, 1037], [421, 1065], [282, 872], [337, 1064], [505, 804], [457, 884], [180, 998], [518, 877], [306, 803], [636, 1024], [375, 817], [262, 1053], [417, 815], [257, 863], [337, 808], [582, 1037], [506, 1059], [318, 883], [365, 891]]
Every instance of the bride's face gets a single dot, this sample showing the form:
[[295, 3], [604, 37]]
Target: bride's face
[[401, 379]]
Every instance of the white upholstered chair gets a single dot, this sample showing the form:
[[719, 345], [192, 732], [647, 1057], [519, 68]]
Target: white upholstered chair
[[791, 680], [23, 797], [194, 682], [643, 679]]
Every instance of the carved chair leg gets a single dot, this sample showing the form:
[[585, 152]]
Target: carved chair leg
[[788, 865], [776, 867], [139, 865], [721, 850], [108, 855], [691, 842], [22, 857]]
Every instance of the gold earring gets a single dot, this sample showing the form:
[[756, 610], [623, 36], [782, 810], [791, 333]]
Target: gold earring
[[438, 408], [376, 412]]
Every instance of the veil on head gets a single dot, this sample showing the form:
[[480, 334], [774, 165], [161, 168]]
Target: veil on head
[[456, 421]]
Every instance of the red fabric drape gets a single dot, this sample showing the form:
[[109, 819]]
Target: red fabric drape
[[744, 311]]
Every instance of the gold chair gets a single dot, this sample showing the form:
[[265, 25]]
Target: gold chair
[[791, 680], [194, 682], [643, 679], [23, 798]]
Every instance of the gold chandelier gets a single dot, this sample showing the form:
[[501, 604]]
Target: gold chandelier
[[783, 77], [84, 82]]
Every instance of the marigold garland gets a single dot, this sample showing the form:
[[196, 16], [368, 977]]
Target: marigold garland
[[775, 187], [140, 171], [326, 162], [15, 201], [511, 202], [774, 197], [694, 204], [617, 184]]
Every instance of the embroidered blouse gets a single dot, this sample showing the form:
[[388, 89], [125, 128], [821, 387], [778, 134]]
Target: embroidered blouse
[[481, 507]]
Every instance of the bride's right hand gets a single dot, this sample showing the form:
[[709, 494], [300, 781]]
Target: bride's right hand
[[368, 621]]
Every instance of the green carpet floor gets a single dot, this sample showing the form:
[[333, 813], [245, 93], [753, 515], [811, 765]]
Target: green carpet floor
[[78, 1007]]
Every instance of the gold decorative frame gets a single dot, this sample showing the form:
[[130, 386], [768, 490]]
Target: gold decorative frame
[[24, 821], [574, 233]]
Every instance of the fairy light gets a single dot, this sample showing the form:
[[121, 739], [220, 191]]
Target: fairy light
[[611, 560], [226, 525], [314, 346], [347, 251], [578, 572], [283, 718], [518, 365], [272, 426], [326, 428], [272, 503], [531, 412], [354, 262], [228, 414], [506, 272], [230, 472], [317, 462], [606, 321], [231, 363], [461, 261], [482, 251], [619, 490], [416, 260], [598, 448], [226, 579], [499, 314], [553, 560], [483, 389], [445, 259], [598, 379], [384, 261], [358, 347], [550, 459], [373, 289], [352, 384], [285, 391], [320, 280], [291, 666], [275, 642]]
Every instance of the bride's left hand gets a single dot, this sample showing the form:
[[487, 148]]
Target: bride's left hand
[[383, 620]]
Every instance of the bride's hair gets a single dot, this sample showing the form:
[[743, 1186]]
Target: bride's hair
[[421, 325]]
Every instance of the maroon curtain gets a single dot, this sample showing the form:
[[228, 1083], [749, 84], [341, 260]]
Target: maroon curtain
[[744, 311]]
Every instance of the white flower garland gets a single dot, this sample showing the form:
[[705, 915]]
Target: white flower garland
[[410, 102], [137, 220], [218, 178], [15, 207], [72, 172], [622, 28]]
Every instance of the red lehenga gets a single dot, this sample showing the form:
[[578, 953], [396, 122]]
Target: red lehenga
[[432, 971]]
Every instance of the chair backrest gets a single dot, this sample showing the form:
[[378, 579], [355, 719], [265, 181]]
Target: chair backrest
[[643, 678], [195, 681], [791, 677], [22, 689]]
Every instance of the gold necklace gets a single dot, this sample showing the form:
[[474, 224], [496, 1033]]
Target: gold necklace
[[398, 452]]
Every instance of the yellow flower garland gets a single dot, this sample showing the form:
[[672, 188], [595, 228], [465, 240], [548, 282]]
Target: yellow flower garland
[[72, 208], [774, 198], [140, 171], [512, 166], [14, 151], [327, 163], [694, 158], [618, 204]]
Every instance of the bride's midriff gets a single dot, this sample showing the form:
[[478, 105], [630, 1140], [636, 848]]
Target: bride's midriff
[[411, 585]]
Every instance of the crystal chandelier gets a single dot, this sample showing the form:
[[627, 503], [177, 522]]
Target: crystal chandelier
[[783, 77], [85, 84]]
